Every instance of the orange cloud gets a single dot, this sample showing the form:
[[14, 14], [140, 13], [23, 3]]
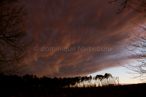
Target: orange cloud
[[59, 28]]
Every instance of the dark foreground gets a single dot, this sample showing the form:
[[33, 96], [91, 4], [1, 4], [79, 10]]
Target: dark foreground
[[137, 90]]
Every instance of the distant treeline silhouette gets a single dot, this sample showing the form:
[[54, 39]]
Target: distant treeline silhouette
[[30, 81]]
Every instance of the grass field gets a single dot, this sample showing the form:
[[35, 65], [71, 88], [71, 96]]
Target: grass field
[[135, 90]]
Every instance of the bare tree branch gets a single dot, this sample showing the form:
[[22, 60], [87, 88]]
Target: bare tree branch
[[136, 5], [12, 36]]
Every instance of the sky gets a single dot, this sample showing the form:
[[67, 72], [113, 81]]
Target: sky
[[79, 37], [122, 73]]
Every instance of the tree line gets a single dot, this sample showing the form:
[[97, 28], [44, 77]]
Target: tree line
[[30, 81]]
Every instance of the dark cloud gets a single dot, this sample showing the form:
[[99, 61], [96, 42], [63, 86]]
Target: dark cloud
[[70, 25]]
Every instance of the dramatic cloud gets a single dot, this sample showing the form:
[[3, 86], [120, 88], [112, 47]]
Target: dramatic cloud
[[77, 37]]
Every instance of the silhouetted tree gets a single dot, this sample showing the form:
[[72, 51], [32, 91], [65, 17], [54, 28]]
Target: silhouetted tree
[[107, 76], [90, 77], [12, 36], [100, 77], [139, 41]]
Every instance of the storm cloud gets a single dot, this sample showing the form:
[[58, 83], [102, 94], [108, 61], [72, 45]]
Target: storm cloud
[[77, 37]]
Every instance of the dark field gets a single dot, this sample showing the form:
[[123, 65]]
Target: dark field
[[136, 90]]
